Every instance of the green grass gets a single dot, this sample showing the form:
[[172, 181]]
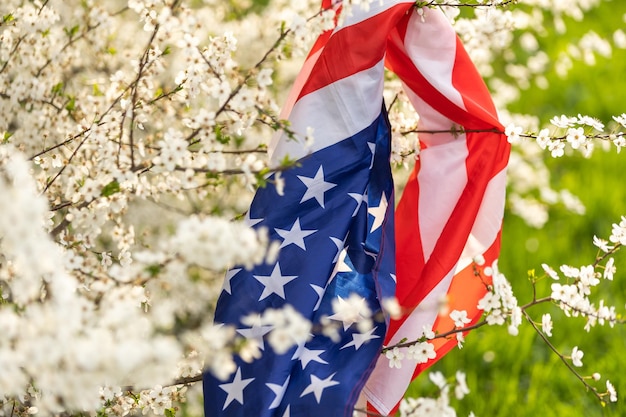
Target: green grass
[[520, 376], [525, 378]]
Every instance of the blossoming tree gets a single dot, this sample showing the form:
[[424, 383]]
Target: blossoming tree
[[133, 135]]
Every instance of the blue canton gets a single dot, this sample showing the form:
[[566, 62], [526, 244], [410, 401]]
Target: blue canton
[[335, 225]]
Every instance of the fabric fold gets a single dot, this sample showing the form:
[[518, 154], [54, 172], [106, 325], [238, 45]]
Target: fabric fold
[[343, 243]]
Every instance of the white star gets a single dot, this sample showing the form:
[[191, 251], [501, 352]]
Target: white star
[[287, 412], [316, 187], [393, 277], [359, 199], [235, 389], [378, 213], [229, 275], [341, 265], [317, 386], [274, 283], [339, 244], [294, 236], [349, 312], [358, 339], [372, 147], [251, 222], [279, 390], [307, 355], [257, 331], [320, 292]]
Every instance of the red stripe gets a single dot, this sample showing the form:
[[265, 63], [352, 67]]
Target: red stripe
[[416, 279], [466, 289], [467, 80], [409, 253], [353, 49], [486, 157], [400, 63], [320, 43]]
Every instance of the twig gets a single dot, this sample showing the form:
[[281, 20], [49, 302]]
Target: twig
[[433, 3], [562, 357]]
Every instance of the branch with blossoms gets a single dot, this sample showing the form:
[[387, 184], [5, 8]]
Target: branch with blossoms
[[134, 105], [530, 190], [500, 307], [437, 405], [173, 117], [478, 4], [578, 133], [146, 128]]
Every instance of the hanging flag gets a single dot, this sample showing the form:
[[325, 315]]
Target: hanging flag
[[451, 210], [339, 244]]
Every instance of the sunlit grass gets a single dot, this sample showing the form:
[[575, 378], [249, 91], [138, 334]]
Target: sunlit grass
[[519, 376]]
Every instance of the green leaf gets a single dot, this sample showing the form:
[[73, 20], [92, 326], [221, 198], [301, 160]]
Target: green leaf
[[96, 91], [221, 138], [170, 412], [6, 137], [71, 104], [153, 270], [111, 188], [71, 31], [58, 88], [287, 162], [7, 18], [261, 181]]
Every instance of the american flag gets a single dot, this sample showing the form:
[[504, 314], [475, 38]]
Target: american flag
[[336, 225]]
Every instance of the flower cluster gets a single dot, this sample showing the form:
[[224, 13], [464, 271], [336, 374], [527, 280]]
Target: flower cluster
[[131, 135], [573, 296], [499, 303], [440, 406], [46, 310], [122, 127]]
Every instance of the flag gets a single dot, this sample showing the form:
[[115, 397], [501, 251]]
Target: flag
[[343, 243]]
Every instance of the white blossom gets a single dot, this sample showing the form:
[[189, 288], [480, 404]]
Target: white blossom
[[577, 356], [395, 357], [421, 352], [123, 133], [546, 324]]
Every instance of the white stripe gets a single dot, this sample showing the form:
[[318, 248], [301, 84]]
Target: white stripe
[[359, 14], [442, 161], [488, 221], [431, 45], [386, 386], [430, 119], [442, 178], [301, 79], [335, 112]]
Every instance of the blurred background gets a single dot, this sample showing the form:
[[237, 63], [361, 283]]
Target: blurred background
[[520, 376]]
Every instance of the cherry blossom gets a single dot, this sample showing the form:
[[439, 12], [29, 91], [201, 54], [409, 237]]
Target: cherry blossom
[[133, 134]]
